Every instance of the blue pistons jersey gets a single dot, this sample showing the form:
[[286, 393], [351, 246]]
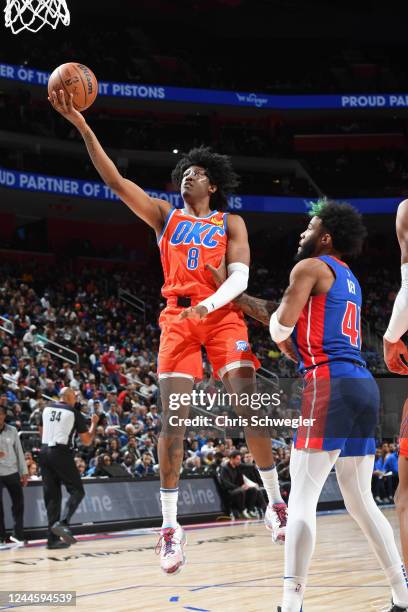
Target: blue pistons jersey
[[329, 327], [340, 396]]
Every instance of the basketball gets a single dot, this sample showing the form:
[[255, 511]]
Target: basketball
[[77, 79]]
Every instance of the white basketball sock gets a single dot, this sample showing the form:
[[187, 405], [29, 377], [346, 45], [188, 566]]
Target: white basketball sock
[[397, 578], [271, 483], [354, 478], [168, 498], [293, 592], [309, 470]]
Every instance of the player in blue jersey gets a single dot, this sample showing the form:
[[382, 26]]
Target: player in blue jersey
[[318, 324]]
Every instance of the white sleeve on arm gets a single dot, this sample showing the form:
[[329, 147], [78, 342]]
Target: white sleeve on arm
[[398, 324], [234, 285], [279, 332]]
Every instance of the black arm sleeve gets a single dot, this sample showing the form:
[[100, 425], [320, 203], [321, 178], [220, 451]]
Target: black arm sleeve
[[80, 422]]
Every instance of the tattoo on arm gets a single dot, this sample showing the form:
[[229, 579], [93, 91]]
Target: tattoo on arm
[[102, 162], [87, 135], [258, 309]]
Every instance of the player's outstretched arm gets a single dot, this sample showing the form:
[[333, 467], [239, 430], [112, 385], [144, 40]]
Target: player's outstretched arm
[[152, 211], [395, 351]]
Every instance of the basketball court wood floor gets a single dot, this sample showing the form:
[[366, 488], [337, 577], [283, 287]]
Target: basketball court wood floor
[[229, 569]]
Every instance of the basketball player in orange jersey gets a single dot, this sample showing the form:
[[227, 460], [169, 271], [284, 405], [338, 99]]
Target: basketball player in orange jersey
[[197, 313], [396, 358]]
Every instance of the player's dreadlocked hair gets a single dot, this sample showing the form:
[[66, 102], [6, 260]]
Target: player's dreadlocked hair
[[218, 169], [343, 222]]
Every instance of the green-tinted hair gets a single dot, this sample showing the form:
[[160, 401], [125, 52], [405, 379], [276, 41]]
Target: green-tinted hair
[[316, 207], [344, 224]]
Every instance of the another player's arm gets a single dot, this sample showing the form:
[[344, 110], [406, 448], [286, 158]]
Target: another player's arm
[[257, 308], [237, 259], [303, 279], [402, 231], [395, 351], [152, 211]]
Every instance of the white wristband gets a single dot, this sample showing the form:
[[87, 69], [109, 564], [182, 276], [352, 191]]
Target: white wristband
[[279, 332], [398, 324], [234, 285]]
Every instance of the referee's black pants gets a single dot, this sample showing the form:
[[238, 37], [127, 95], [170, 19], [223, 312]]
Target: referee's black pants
[[57, 468], [13, 485]]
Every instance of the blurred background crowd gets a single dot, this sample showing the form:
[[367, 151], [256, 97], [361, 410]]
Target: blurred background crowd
[[115, 374]]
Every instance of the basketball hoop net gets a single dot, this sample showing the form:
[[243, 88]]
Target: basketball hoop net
[[32, 15]]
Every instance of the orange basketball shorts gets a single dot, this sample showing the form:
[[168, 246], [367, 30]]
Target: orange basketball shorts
[[403, 441], [403, 448], [223, 333]]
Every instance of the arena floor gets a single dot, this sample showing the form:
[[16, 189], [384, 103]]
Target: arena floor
[[230, 568]]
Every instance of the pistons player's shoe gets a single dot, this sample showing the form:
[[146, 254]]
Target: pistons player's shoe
[[275, 519], [170, 547], [395, 608]]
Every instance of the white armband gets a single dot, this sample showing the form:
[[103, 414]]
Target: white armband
[[398, 324], [234, 285], [279, 332]]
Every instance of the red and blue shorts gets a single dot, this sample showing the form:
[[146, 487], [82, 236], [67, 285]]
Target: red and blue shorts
[[343, 399]]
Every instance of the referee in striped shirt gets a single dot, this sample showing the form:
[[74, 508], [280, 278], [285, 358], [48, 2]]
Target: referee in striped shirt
[[61, 422]]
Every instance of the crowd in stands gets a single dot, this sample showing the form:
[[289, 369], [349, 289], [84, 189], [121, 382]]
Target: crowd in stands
[[116, 375], [385, 474]]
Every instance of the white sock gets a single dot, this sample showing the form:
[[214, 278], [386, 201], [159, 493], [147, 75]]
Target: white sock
[[168, 498], [397, 578], [354, 478], [271, 484], [293, 592]]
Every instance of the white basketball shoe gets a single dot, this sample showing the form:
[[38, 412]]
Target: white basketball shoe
[[170, 547], [276, 517]]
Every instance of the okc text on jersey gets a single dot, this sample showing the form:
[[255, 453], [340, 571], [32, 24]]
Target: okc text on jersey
[[198, 233]]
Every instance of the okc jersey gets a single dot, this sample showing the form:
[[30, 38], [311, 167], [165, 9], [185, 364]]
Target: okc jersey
[[187, 244], [329, 327]]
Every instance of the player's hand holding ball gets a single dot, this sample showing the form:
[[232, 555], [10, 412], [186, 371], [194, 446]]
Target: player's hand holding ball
[[72, 88], [66, 108]]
